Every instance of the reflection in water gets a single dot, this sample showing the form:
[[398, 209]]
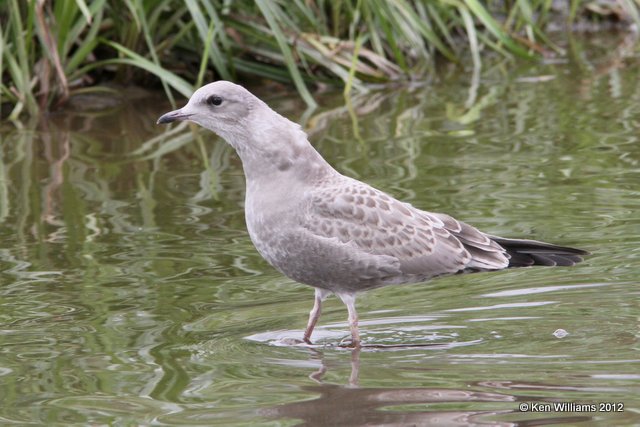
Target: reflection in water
[[354, 405], [128, 283], [359, 407]]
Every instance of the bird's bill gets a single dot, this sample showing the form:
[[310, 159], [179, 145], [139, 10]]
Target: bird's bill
[[173, 116]]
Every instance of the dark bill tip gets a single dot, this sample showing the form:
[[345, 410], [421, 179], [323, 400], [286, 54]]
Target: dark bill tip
[[172, 116]]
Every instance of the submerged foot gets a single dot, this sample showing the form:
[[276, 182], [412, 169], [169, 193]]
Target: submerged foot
[[294, 341], [349, 342]]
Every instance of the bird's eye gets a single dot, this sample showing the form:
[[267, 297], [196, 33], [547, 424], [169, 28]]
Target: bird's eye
[[214, 100]]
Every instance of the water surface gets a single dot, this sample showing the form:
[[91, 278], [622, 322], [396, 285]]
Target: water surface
[[130, 293]]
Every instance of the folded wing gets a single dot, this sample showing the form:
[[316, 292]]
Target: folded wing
[[425, 244]]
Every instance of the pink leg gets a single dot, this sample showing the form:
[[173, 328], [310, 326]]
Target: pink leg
[[314, 315], [350, 302]]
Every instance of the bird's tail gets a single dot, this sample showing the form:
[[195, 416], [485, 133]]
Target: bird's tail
[[524, 253]]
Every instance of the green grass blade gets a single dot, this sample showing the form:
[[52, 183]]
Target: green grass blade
[[135, 60], [390, 39], [220, 33], [573, 10], [483, 16], [417, 22], [88, 43], [267, 10], [139, 8], [352, 69], [76, 32], [205, 55], [473, 39], [263, 70], [19, 65], [3, 47], [84, 9], [439, 20], [207, 39]]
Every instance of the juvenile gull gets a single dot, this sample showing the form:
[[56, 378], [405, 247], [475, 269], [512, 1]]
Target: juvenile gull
[[335, 233]]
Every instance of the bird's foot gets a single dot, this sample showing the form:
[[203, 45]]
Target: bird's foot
[[349, 342], [293, 341]]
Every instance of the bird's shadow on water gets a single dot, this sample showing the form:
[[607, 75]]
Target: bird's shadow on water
[[354, 405]]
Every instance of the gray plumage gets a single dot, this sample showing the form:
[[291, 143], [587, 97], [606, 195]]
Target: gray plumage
[[335, 233]]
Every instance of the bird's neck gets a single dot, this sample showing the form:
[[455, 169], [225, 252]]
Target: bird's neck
[[279, 150]]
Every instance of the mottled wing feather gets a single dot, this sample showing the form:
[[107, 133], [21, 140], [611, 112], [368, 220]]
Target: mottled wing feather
[[486, 254], [374, 222]]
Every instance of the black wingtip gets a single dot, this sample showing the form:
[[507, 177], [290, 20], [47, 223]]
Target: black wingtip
[[524, 253]]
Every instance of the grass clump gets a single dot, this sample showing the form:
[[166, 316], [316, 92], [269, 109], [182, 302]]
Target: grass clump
[[53, 49]]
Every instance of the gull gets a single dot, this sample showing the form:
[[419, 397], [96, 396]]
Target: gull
[[335, 233]]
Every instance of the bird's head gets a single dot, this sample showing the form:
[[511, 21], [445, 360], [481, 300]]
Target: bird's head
[[222, 107]]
